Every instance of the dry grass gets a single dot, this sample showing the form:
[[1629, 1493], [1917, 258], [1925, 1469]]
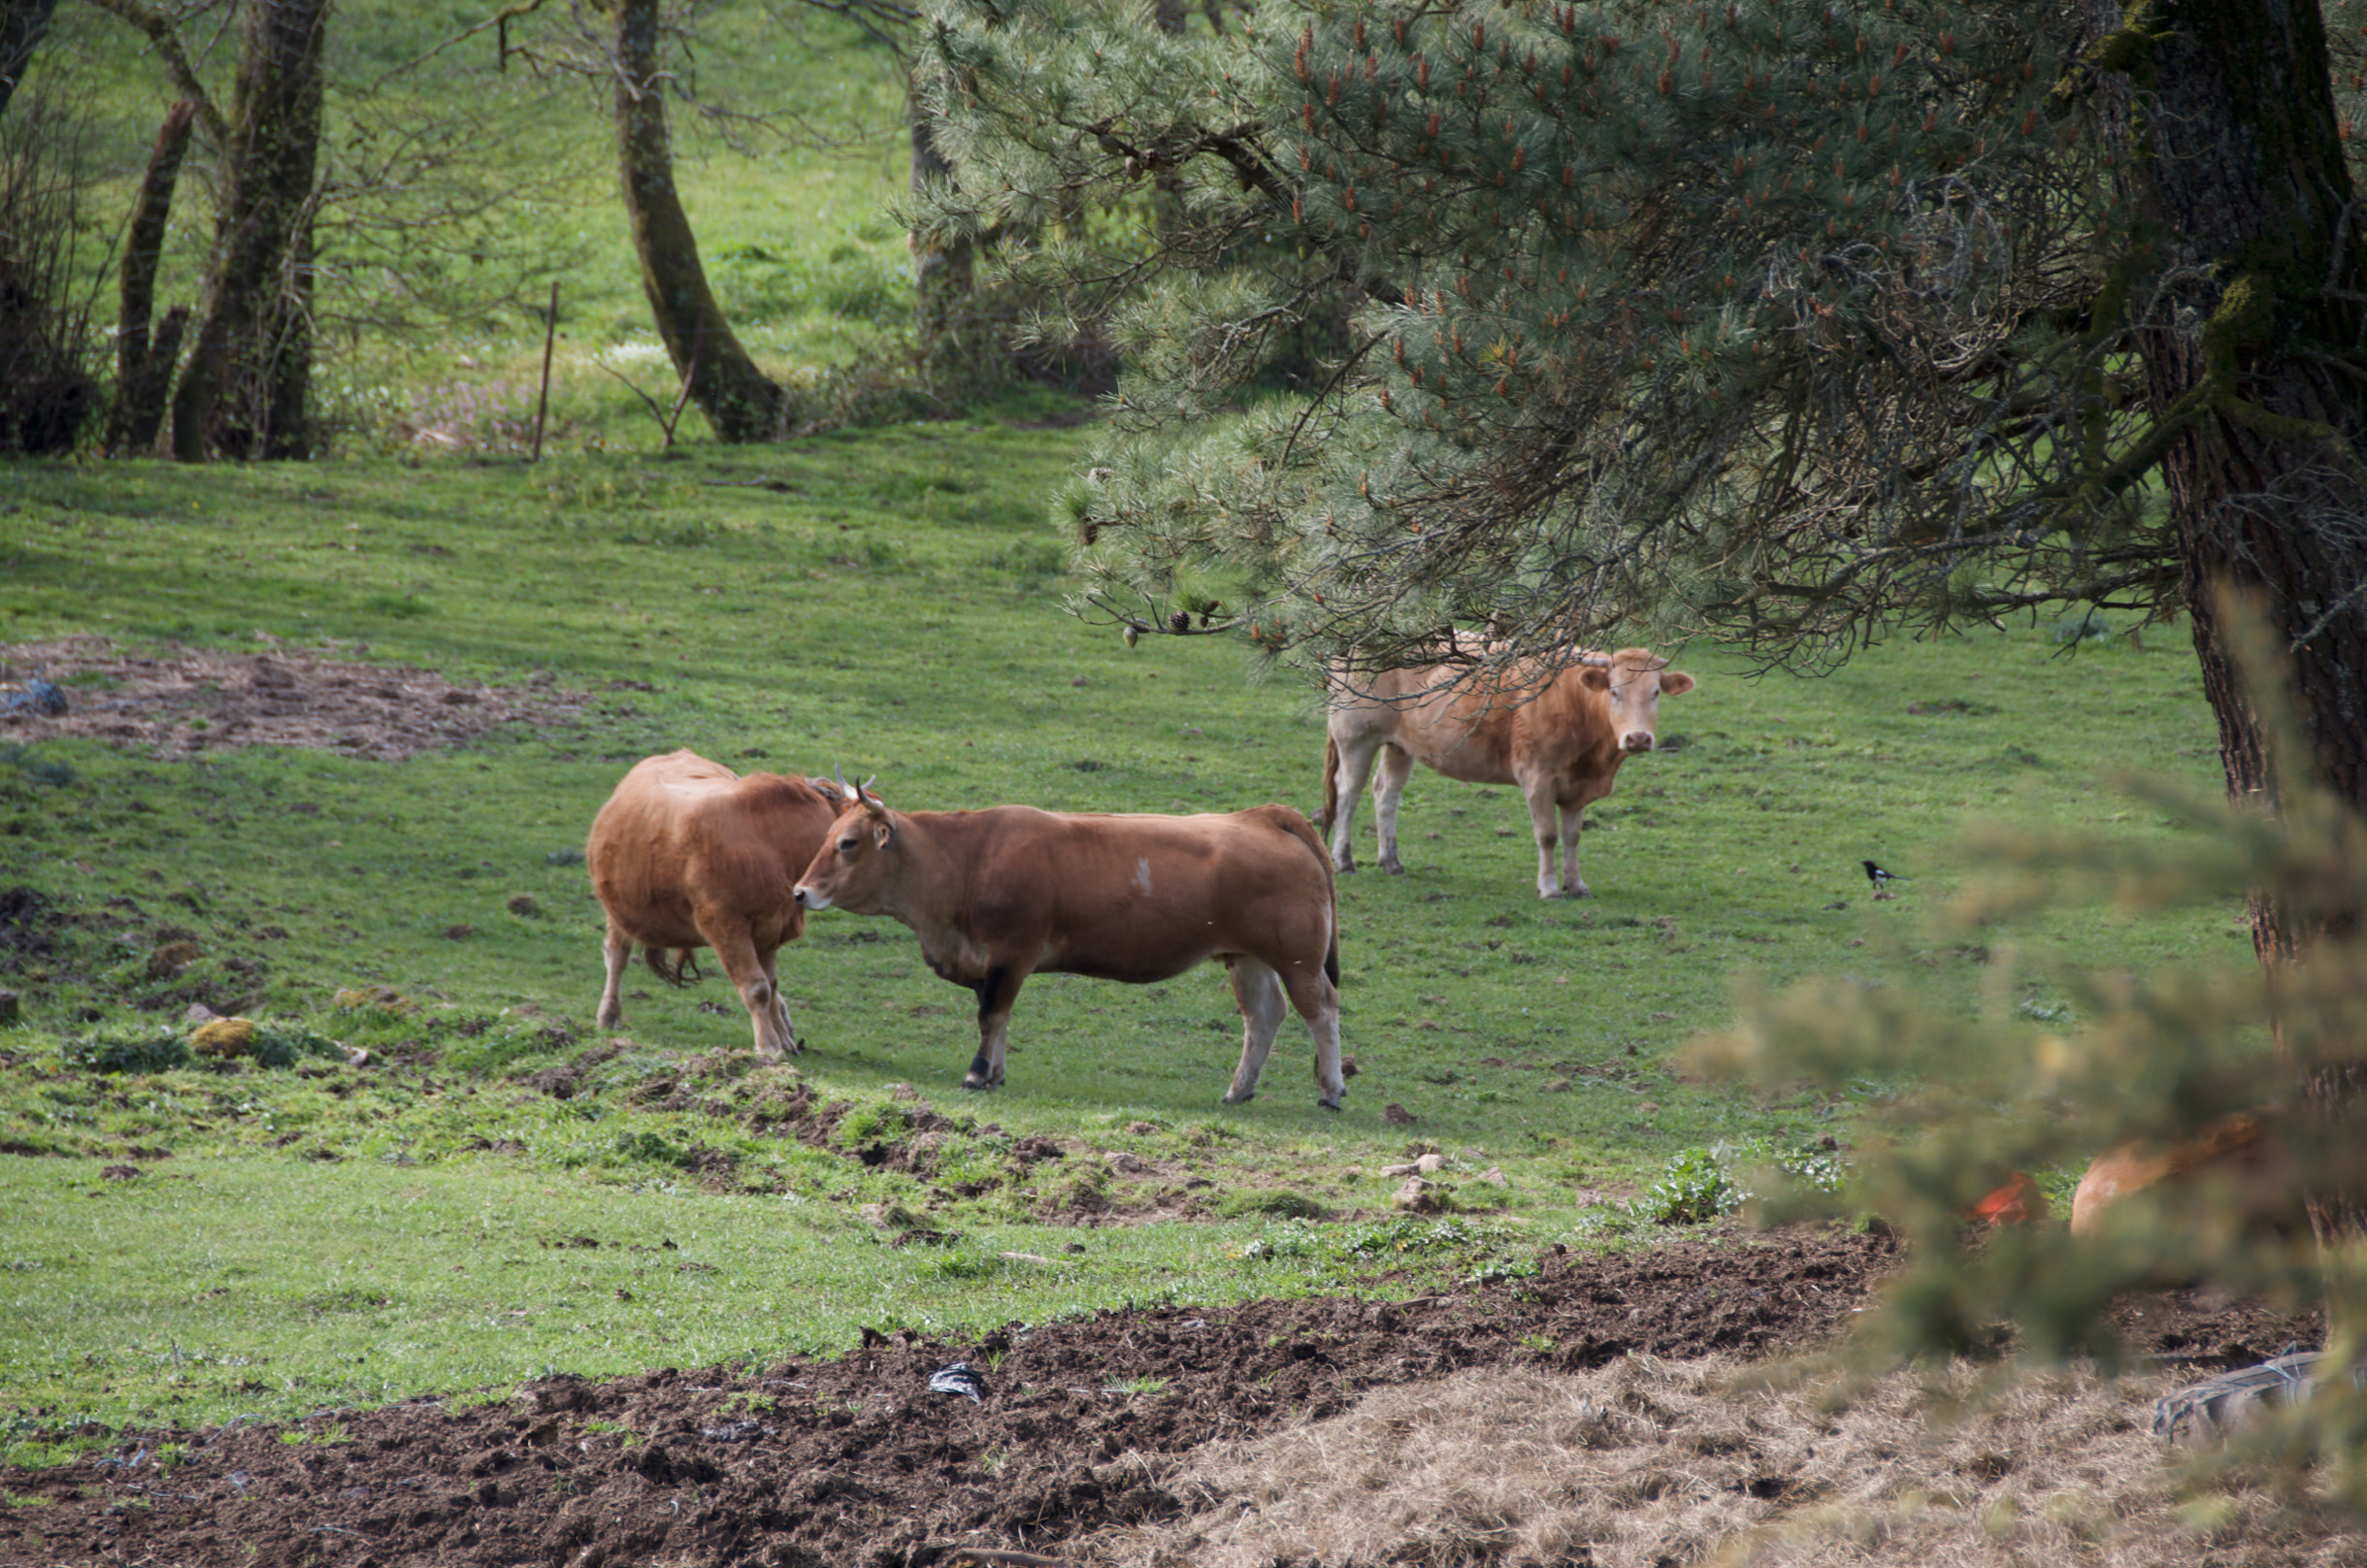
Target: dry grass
[[1656, 1464]]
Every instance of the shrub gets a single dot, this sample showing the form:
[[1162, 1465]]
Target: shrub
[[47, 388], [133, 1048], [2158, 1058]]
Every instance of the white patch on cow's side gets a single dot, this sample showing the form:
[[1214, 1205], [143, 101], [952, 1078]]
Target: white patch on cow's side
[[1142, 874]]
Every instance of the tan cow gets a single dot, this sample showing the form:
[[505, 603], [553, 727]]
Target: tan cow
[[1561, 746], [999, 895], [688, 854]]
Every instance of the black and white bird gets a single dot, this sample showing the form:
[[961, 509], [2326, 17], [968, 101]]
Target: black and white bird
[[959, 1379], [1878, 876]]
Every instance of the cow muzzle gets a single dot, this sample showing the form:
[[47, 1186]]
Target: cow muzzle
[[1635, 741], [808, 899]]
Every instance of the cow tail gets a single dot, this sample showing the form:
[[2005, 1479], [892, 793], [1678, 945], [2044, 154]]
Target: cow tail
[[669, 966], [1330, 785]]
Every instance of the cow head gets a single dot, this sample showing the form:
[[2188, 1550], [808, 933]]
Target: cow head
[[1635, 681], [848, 871]]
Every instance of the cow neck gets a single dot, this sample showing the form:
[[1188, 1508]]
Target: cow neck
[[1559, 716], [934, 875]]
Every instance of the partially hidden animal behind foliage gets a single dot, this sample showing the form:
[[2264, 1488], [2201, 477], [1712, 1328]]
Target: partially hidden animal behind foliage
[[688, 854], [1556, 734], [2244, 1151], [999, 895]]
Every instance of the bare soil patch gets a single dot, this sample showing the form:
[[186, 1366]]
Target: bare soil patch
[[1078, 1451], [179, 701]]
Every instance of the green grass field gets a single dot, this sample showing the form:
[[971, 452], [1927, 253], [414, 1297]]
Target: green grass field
[[889, 603], [443, 1219]]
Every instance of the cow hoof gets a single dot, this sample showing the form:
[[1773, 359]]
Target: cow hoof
[[611, 1017], [1345, 868], [1394, 867], [1231, 1099], [974, 1081], [1332, 1105]]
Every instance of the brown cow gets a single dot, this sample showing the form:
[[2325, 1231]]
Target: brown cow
[[2242, 1146], [1561, 746], [999, 895], [688, 854]]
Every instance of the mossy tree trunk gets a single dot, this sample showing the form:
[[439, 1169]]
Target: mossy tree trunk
[[144, 362], [2240, 171], [235, 393], [740, 400]]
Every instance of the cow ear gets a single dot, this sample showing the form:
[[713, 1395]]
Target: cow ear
[[1675, 683], [883, 831], [1593, 677]]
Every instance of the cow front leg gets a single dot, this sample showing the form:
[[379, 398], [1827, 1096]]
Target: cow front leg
[[1573, 825], [616, 948], [1354, 766], [757, 992], [995, 995], [1257, 992], [1543, 817], [1394, 765], [781, 1003]]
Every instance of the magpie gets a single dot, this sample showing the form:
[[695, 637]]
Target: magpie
[[1878, 876], [959, 1379]]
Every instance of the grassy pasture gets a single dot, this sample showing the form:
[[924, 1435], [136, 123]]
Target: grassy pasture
[[890, 602]]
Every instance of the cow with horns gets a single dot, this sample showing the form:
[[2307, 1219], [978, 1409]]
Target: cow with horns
[[999, 895]]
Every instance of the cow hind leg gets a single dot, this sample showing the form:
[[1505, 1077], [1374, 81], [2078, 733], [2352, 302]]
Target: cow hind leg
[[996, 994], [616, 948], [1317, 1001], [1356, 757], [1257, 990], [1394, 765]]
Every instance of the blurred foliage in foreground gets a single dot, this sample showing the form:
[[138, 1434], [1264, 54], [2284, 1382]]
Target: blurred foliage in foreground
[[1968, 1097]]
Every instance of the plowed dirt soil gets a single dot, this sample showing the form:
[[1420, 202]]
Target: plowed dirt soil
[[854, 1461], [175, 702]]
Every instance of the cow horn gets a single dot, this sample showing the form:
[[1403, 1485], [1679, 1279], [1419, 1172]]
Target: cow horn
[[844, 794], [1600, 661]]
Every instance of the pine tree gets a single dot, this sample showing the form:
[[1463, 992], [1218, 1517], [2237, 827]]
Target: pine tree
[[1785, 324]]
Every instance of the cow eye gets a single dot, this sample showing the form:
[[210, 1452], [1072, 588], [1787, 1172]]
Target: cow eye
[[846, 846]]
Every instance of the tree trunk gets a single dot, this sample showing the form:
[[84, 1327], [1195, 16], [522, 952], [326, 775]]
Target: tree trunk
[[944, 279], [139, 385], [275, 141], [22, 25], [284, 390], [140, 403], [2242, 169], [740, 400]]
